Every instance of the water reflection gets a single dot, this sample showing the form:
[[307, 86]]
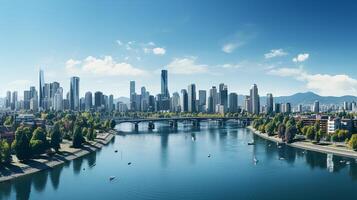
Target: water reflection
[[55, 175], [40, 180], [77, 165]]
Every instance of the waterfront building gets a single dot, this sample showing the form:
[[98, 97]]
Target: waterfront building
[[254, 100], [132, 95], [74, 93], [98, 100], [247, 106], [270, 103], [233, 102], [192, 98], [223, 96], [164, 85], [202, 99], [175, 102], [184, 101], [277, 107], [111, 103]]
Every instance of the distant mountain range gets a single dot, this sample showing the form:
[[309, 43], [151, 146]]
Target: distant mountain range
[[305, 98]]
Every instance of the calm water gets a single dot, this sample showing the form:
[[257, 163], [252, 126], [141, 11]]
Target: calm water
[[169, 164]]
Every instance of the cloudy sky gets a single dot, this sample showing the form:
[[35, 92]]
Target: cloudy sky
[[283, 46]]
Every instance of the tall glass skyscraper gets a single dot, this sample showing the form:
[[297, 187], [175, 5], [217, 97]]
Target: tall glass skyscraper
[[164, 84], [41, 88], [74, 93], [192, 98]]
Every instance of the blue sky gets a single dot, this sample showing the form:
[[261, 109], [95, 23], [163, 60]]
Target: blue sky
[[283, 46]]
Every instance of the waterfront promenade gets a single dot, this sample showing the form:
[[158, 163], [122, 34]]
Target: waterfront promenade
[[339, 150], [18, 169]]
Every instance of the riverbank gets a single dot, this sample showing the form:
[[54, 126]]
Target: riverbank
[[306, 145], [17, 169]]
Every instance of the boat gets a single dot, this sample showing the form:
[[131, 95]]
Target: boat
[[129, 163], [209, 155], [251, 143], [255, 160], [111, 178], [116, 151], [348, 162]]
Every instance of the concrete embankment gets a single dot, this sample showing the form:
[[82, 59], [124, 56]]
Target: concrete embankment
[[306, 145], [17, 169]]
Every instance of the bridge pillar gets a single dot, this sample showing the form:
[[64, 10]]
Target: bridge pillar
[[173, 123], [196, 123], [151, 126], [136, 126]]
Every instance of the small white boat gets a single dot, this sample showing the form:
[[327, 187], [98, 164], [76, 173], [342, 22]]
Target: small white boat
[[281, 158], [209, 155], [342, 161], [348, 162], [255, 160]]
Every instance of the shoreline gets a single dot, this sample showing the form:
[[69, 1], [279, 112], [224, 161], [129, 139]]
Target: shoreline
[[37, 165], [339, 151]]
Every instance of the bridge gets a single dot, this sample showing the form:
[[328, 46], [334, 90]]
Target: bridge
[[173, 121]]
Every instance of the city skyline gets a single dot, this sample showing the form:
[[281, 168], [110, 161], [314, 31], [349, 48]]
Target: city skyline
[[237, 47]]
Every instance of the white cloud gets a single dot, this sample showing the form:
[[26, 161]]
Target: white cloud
[[105, 66], [229, 66], [324, 84], [159, 51], [301, 57], [186, 65], [120, 43], [230, 47], [275, 53]]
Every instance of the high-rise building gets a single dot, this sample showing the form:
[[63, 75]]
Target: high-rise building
[[111, 103], [41, 88], [58, 100], [254, 100], [316, 107], [233, 102], [98, 100], [288, 108], [132, 95], [175, 102], [192, 98], [184, 101], [27, 99], [74, 93], [8, 99], [247, 104], [270, 103], [164, 85], [300, 108], [213, 100], [88, 101], [223, 96], [202, 99], [277, 108], [14, 103]]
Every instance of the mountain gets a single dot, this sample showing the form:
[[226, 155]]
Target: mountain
[[305, 98], [125, 100]]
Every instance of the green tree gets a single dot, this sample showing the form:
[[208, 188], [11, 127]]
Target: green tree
[[112, 124], [5, 152], [38, 142], [269, 128], [281, 130], [300, 126], [21, 145], [77, 137], [310, 134], [56, 137], [353, 142], [290, 133]]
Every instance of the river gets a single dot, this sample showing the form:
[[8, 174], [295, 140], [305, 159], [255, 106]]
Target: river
[[209, 162]]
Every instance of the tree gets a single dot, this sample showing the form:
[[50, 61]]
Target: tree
[[290, 133], [310, 134], [21, 145], [77, 137], [5, 152], [334, 137], [300, 126], [318, 136], [38, 142], [56, 137], [281, 130], [112, 124], [353, 142], [269, 128]]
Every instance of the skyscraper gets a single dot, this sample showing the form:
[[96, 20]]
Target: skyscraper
[[111, 103], [184, 101], [8, 99], [270, 103], [164, 85], [202, 99], [14, 105], [58, 100], [41, 88], [132, 95], [254, 100], [88, 101], [233, 102], [192, 98], [98, 97], [223, 96], [316, 107], [175, 102], [74, 93]]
